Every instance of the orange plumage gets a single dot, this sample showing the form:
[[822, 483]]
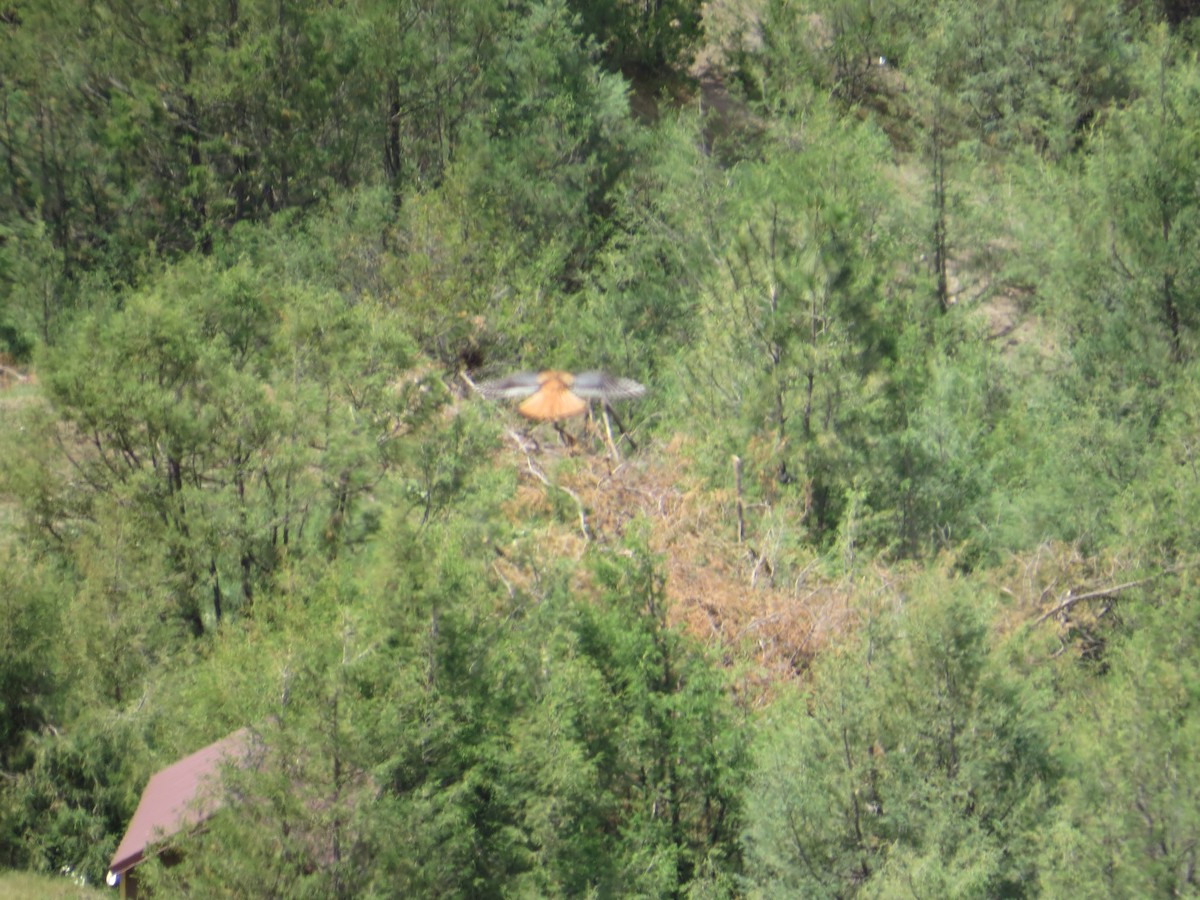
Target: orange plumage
[[552, 395]]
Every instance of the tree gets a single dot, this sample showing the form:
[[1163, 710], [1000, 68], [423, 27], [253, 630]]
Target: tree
[[920, 762], [659, 37], [66, 808], [229, 419], [433, 59], [797, 335], [1145, 169], [549, 149], [31, 674], [1128, 824], [519, 213], [638, 307], [833, 48], [553, 745]]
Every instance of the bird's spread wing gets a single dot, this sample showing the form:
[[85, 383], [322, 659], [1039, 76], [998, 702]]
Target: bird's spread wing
[[601, 385], [520, 384]]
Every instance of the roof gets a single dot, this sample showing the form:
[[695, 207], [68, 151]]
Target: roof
[[183, 794]]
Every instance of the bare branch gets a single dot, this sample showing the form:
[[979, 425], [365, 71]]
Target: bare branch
[[541, 476], [1073, 598]]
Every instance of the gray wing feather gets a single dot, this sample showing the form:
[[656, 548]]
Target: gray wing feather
[[520, 384], [603, 386]]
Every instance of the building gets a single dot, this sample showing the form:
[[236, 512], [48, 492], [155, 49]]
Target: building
[[178, 798]]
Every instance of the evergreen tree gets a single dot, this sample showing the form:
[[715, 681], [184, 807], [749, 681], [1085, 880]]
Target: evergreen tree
[[1128, 823], [555, 746], [797, 332], [918, 762]]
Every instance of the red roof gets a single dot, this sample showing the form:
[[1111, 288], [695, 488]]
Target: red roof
[[185, 793]]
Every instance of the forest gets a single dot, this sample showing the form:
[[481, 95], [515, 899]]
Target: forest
[[882, 589]]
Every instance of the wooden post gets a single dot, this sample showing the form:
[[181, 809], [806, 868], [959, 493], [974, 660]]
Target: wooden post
[[608, 432], [737, 487]]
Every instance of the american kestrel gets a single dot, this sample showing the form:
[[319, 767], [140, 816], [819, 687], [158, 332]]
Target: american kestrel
[[559, 395]]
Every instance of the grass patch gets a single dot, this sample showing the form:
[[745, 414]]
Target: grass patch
[[27, 885]]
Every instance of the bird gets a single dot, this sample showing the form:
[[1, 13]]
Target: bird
[[552, 394]]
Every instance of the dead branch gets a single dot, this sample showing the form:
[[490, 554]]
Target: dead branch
[[608, 433], [467, 380], [10, 372], [1073, 598], [737, 488], [541, 476]]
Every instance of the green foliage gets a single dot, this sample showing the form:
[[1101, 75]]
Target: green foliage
[[484, 264], [551, 745], [1145, 171], [68, 809], [1005, 74], [660, 37], [179, 125], [682, 752], [942, 463], [943, 304], [226, 420], [432, 60], [920, 760], [31, 678], [243, 112], [552, 138], [1113, 287], [1153, 518], [31, 290], [637, 305], [796, 336], [1128, 823], [832, 46], [1023, 73]]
